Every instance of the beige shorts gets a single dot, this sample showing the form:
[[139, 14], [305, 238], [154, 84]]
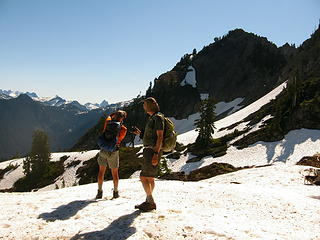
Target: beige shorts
[[110, 159]]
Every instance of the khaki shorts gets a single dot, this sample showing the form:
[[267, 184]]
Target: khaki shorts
[[147, 169], [110, 159]]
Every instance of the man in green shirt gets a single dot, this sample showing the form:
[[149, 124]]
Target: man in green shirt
[[152, 142]]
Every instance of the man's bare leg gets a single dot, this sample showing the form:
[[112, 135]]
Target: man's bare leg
[[148, 186], [115, 178], [102, 170]]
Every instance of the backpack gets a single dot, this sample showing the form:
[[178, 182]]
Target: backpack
[[169, 136], [107, 141]]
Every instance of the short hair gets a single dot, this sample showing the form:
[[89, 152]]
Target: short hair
[[152, 104], [118, 115]]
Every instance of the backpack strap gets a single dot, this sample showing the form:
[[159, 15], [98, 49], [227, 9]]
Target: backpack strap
[[161, 115], [108, 119], [158, 114]]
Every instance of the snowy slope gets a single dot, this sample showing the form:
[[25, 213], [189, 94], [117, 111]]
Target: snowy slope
[[295, 145], [190, 136], [268, 203], [186, 125], [69, 176], [291, 149]]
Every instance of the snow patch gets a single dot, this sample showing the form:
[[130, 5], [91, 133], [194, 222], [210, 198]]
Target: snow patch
[[190, 78], [232, 106], [204, 96], [295, 145]]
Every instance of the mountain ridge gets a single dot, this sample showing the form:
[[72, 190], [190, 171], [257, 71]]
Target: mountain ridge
[[53, 101], [213, 71]]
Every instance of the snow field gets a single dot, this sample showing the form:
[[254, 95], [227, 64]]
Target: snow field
[[268, 203]]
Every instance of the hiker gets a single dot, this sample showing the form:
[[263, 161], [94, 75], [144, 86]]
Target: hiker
[[114, 132], [152, 141]]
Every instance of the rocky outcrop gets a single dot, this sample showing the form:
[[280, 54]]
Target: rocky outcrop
[[206, 172], [313, 161]]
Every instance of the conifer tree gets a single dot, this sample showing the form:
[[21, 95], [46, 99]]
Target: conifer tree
[[26, 166], [149, 90], [37, 161], [205, 125]]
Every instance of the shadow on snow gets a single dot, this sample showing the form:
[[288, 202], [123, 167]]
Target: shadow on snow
[[65, 212], [119, 229]]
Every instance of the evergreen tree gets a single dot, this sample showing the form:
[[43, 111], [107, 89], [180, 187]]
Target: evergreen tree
[[37, 161], [149, 90], [26, 166], [205, 125]]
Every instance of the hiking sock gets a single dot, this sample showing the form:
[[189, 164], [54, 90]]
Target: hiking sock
[[150, 199], [100, 186], [115, 189]]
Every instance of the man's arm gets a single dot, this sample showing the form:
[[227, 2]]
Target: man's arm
[[159, 141], [122, 134], [157, 147]]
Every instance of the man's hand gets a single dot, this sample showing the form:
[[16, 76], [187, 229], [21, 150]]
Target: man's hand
[[155, 160], [136, 130]]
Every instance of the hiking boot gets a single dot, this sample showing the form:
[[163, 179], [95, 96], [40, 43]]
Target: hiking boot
[[99, 194], [115, 194], [140, 205], [147, 207]]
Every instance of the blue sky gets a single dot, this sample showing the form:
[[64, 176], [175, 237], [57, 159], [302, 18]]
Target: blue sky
[[95, 50]]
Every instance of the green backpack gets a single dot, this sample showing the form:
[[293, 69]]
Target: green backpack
[[169, 136]]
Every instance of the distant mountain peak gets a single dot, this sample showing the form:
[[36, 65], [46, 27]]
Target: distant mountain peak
[[24, 97], [104, 103], [32, 94], [55, 101], [56, 97]]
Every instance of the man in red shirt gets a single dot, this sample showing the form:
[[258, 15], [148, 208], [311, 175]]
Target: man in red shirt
[[114, 125]]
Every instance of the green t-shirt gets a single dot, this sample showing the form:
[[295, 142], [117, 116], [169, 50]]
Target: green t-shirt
[[154, 123]]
